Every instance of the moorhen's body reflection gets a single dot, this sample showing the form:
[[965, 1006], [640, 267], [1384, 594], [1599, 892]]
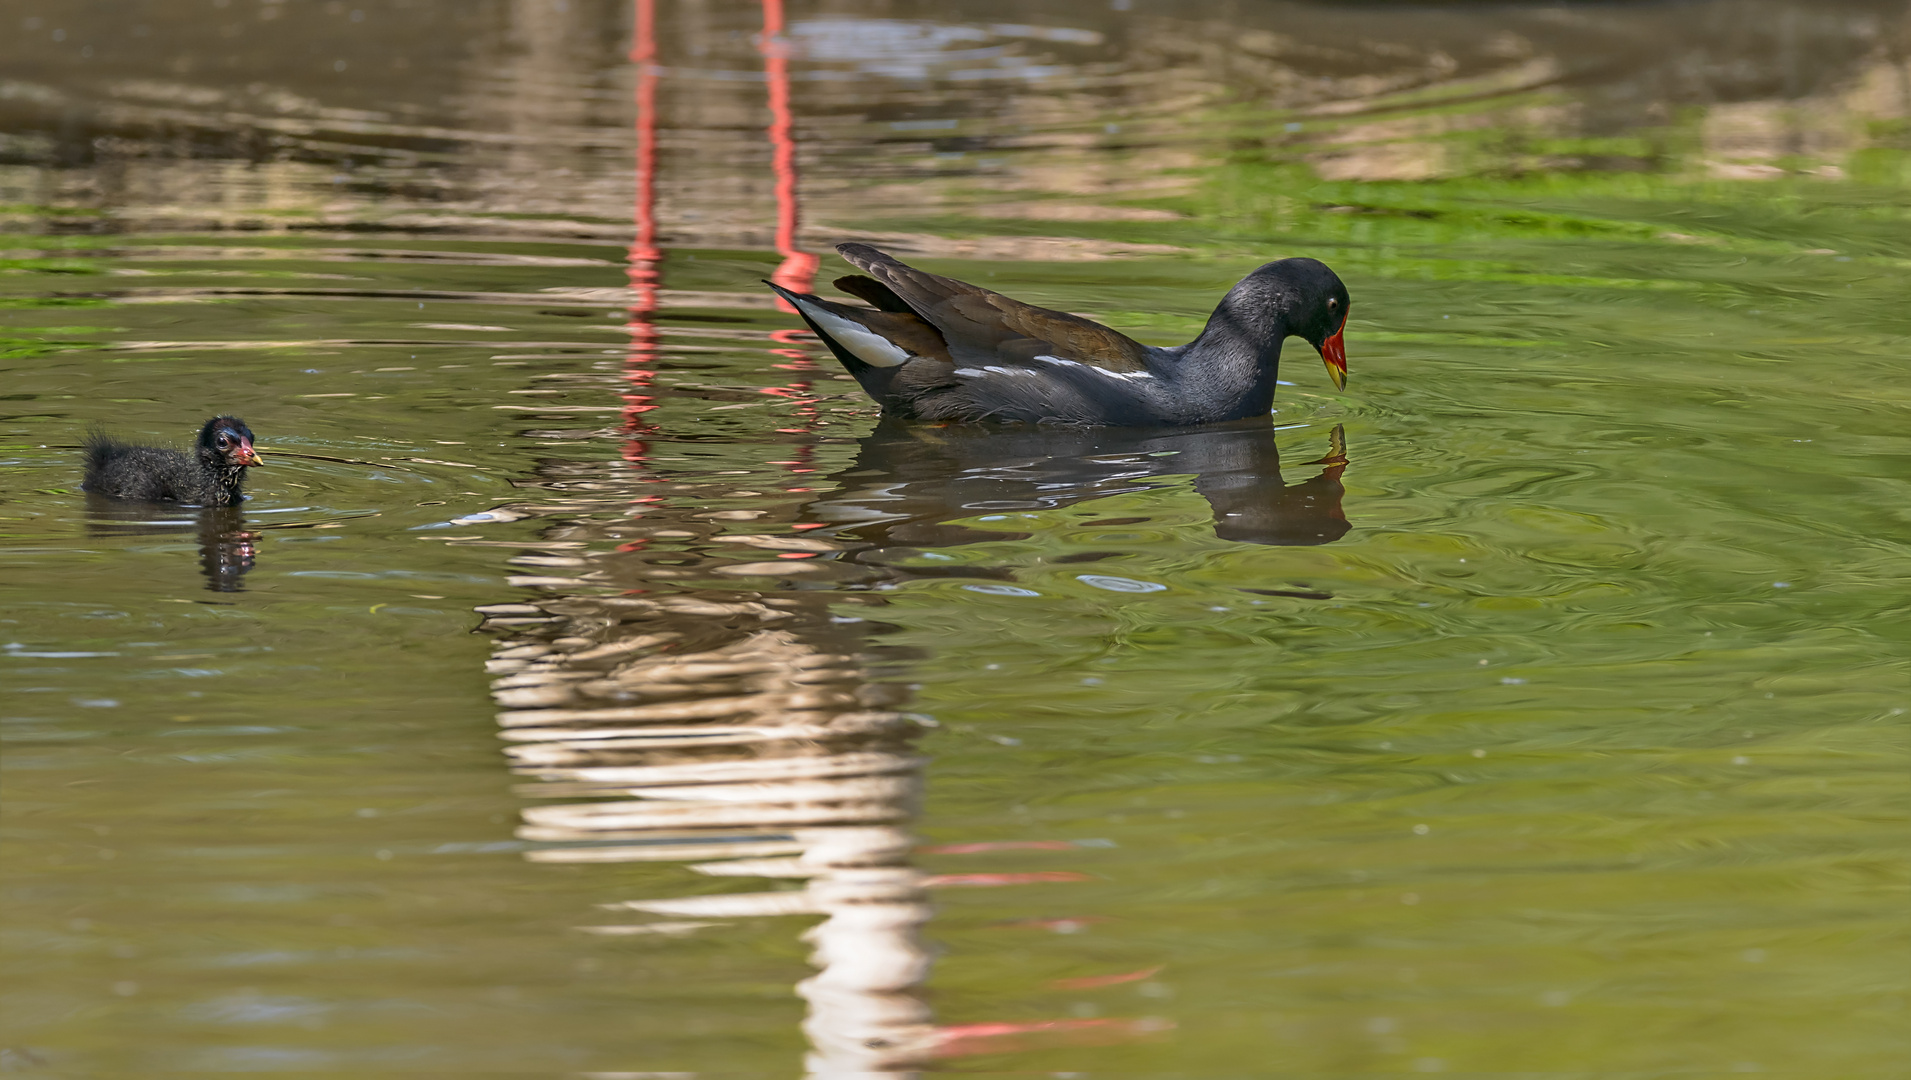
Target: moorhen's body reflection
[[910, 479], [226, 549]]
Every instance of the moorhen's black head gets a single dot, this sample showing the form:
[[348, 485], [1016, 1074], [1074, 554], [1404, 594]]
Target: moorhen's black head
[[1297, 296], [226, 443], [1313, 302]]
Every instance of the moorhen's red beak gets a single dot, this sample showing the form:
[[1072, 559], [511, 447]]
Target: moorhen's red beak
[[1333, 352], [247, 456]]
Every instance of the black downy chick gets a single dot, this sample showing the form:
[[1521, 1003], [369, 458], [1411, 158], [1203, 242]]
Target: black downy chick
[[211, 475]]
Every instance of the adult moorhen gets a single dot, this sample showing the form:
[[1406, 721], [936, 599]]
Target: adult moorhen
[[209, 476], [939, 349]]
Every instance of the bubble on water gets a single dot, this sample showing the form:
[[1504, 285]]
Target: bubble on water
[[1422, 830], [1510, 681], [1002, 590], [1119, 584]]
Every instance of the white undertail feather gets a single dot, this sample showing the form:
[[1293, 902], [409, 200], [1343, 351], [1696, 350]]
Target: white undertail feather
[[862, 343]]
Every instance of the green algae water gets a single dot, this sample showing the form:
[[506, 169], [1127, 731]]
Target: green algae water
[[593, 684]]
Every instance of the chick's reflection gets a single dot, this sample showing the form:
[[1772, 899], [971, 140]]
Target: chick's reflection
[[227, 550], [909, 479]]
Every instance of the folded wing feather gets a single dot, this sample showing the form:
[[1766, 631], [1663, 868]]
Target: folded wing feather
[[984, 327]]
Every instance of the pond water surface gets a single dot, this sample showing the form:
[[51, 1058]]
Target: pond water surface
[[594, 684]]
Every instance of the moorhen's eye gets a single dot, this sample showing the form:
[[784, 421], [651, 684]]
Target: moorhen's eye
[[1332, 304], [224, 442]]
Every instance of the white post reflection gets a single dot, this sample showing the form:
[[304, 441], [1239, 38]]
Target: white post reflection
[[739, 735]]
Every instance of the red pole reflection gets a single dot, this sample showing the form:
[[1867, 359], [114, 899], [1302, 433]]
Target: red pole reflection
[[797, 272], [642, 267]]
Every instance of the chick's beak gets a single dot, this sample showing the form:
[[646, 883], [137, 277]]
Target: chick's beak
[[248, 456], [1333, 352]]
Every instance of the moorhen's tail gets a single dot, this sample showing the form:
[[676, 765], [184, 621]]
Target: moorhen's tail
[[833, 323], [875, 293], [99, 450]]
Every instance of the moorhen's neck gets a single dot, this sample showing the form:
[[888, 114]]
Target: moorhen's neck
[[225, 474], [1249, 322], [1236, 357]]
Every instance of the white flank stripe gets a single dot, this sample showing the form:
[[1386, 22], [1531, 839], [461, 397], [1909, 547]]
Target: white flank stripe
[[1058, 361], [864, 344], [977, 373]]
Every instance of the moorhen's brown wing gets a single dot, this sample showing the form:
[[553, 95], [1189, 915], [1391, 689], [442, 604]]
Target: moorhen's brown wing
[[983, 327]]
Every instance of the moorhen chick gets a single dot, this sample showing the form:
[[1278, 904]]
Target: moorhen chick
[[939, 349], [209, 476]]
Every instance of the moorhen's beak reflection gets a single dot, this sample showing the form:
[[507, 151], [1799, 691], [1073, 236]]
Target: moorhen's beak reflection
[[226, 549], [910, 478], [1239, 473]]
